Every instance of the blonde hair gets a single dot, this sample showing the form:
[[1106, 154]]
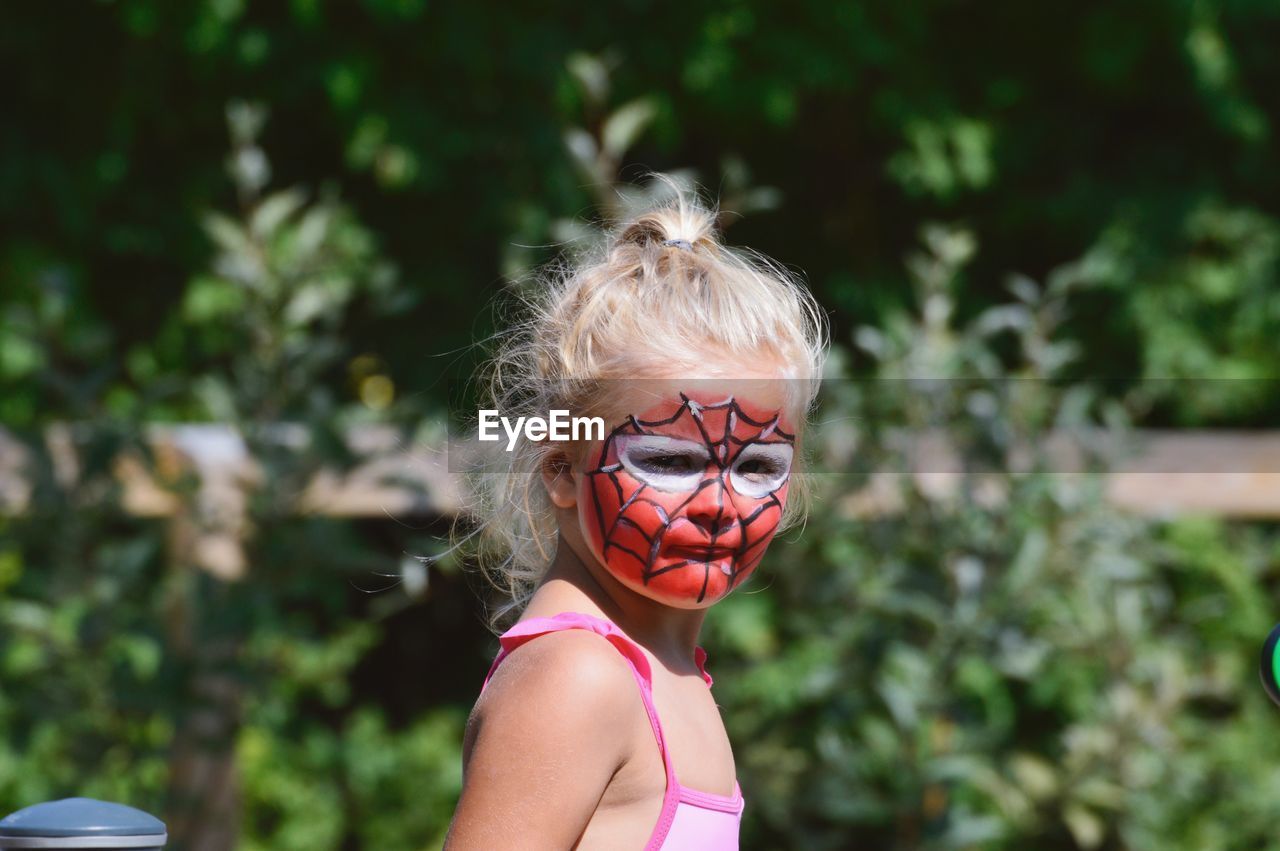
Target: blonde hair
[[660, 292]]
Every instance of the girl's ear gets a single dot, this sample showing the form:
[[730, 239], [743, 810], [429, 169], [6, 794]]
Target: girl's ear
[[560, 481]]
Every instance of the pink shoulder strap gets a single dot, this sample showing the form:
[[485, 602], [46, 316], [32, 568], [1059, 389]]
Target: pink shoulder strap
[[533, 627], [530, 629]]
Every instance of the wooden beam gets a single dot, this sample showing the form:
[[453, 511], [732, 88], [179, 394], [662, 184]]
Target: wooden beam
[[1226, 473]]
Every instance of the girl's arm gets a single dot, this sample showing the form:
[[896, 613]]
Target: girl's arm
[[546, 736]]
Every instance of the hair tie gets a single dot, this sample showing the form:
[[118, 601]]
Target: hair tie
[[679, 243]]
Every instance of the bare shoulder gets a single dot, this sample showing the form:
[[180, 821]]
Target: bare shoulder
[[578, 658], [564, 685], [543, 742]]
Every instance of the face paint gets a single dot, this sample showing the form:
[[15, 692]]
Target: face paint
[[685, 498]]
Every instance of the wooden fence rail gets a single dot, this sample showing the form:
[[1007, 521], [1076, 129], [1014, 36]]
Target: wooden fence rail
[[1230, 474]]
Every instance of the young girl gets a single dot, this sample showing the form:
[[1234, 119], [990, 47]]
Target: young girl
[[596, 727]]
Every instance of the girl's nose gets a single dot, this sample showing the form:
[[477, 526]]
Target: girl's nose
[[711, 508]]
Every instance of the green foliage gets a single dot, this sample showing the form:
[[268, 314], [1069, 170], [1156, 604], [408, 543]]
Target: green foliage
[[124, 661], [1209, 314], [446, 125], [80, 651], [309, 787]]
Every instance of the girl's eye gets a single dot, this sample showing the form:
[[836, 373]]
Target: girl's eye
[[761, 469], [666, 463], [670, 463], [758, 467]]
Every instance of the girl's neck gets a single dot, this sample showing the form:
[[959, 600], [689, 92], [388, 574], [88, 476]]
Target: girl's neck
[[570, 584]]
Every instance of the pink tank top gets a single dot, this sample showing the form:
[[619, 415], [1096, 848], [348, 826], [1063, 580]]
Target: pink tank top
[[689, 819]]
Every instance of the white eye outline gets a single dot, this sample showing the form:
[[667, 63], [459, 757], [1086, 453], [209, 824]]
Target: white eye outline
[[633, 449], [780, 454]]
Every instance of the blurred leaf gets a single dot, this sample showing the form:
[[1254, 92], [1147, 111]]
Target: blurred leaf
[[273, 210], [625, 124], [1087, 829], [210, 298]]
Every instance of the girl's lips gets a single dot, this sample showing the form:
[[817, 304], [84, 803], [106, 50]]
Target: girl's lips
[[701, 553]]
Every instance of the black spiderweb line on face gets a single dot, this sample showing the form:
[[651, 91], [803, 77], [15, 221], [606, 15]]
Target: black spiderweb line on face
[[719, 451]]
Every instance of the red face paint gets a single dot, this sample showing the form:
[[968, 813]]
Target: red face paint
[[684, 499]]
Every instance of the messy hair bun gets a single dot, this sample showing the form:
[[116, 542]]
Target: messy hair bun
[[661, 292]]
